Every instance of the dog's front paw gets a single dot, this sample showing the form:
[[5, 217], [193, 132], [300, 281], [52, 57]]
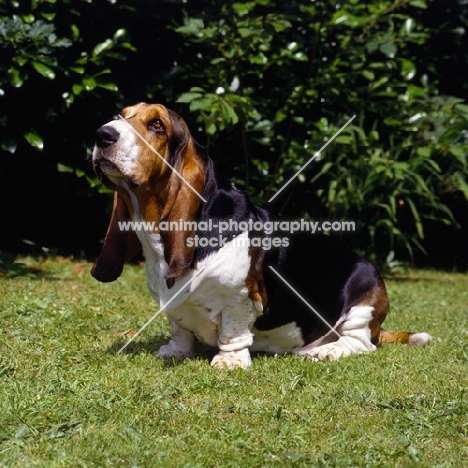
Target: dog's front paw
[[232, 359], [170, 351]]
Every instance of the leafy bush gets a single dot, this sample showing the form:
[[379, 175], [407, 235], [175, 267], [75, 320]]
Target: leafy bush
[[287, 82]]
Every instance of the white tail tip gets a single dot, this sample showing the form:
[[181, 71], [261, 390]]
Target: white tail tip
[[419, 339]]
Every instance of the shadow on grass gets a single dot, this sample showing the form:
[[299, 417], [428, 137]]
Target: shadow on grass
[[19, 270], [10, 268], [39, 267], [16, 270], [152, 345]]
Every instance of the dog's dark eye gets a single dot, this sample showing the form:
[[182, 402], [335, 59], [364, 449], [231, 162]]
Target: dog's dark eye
[[156, 125]]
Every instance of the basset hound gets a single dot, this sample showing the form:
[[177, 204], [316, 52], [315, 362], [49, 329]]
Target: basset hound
[[308, 296]]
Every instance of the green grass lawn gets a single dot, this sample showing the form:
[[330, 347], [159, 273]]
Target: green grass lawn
[[67, 399]]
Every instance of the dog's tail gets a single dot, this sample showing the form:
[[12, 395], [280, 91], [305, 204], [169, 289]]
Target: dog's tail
[[412, 339]]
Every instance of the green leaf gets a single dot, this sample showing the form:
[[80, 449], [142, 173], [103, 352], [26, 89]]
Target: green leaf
[[389, 49], [408, 69], [418, 3], [109, 86], [243, 8], [44, 70], [417, 218], [343, 139], [28, 18], [15, 78], [41, 28], [188, 97], [100, 48], [89, 83], [368, 74], [48, 16], [211, 129], [229, 113], [326, 167], [75, 32], [119, 33], [61, 42], [372, 47], [193, 26], [200, 104], [21, 61], [63, 168], [279, 24], [340, 18], [34, 140], [77, 88], [424, 151], [245, 32]]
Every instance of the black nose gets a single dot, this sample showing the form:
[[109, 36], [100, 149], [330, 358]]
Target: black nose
[[106, 136]]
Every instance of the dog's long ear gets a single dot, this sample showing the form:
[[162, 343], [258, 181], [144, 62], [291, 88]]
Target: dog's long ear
[[119, 246], [184, 198]]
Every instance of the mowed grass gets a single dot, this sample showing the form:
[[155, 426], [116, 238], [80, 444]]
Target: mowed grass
[[67, 399]]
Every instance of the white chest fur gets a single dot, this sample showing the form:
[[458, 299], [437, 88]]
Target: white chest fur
[[197, 300]]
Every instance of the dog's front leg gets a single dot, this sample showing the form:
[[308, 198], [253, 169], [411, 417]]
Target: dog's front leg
[[181, 345], [235, 337]]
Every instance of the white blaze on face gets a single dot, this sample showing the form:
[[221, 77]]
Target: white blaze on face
[[123, 153]]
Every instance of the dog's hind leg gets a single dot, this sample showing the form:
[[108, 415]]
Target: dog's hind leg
[[353, 335]]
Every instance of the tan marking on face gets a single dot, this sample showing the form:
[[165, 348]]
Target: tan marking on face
[[143, 118]]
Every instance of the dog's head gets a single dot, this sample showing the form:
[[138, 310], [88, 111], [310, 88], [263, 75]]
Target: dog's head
[[150, 159]]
